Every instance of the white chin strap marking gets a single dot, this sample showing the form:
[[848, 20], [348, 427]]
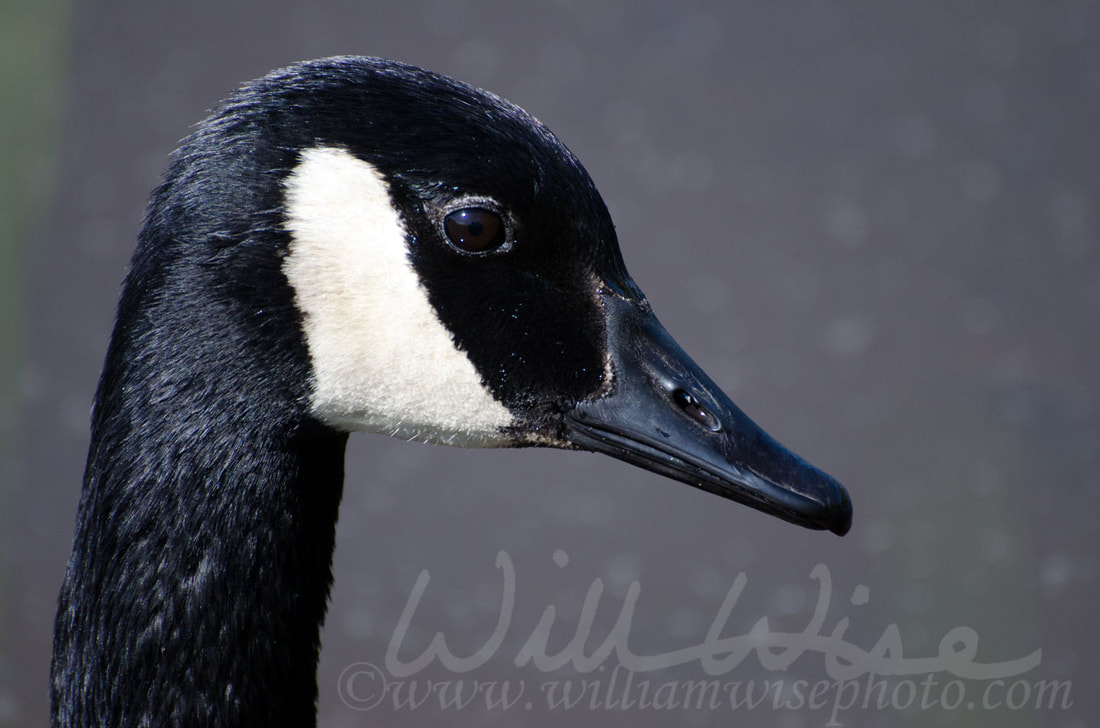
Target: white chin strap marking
[[382, 360]]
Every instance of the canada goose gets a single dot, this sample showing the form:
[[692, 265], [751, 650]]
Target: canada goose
[[351, 244]]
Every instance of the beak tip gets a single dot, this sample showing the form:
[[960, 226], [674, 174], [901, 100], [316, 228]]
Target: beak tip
[[839, 519], [842, 522]]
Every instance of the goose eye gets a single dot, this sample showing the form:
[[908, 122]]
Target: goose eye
[[474, 229]]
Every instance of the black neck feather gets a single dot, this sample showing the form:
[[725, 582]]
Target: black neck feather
[[202, 558], [195, 595]]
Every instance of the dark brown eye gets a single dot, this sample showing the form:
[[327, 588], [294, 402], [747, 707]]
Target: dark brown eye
[[474, 229]]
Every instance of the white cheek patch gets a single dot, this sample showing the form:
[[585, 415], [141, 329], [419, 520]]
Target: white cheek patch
[[382, 360]]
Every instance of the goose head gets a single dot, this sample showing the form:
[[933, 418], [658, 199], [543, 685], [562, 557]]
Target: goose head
[[458, 279]]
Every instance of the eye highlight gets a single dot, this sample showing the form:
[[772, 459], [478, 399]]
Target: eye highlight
[[475, 229]]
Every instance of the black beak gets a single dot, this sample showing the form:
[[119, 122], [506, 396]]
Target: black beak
[[664, 414]]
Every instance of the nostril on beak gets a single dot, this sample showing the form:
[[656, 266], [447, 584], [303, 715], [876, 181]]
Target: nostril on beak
[[694, 409]]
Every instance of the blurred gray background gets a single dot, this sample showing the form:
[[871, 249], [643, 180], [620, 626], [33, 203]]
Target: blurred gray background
[[877, 225]]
